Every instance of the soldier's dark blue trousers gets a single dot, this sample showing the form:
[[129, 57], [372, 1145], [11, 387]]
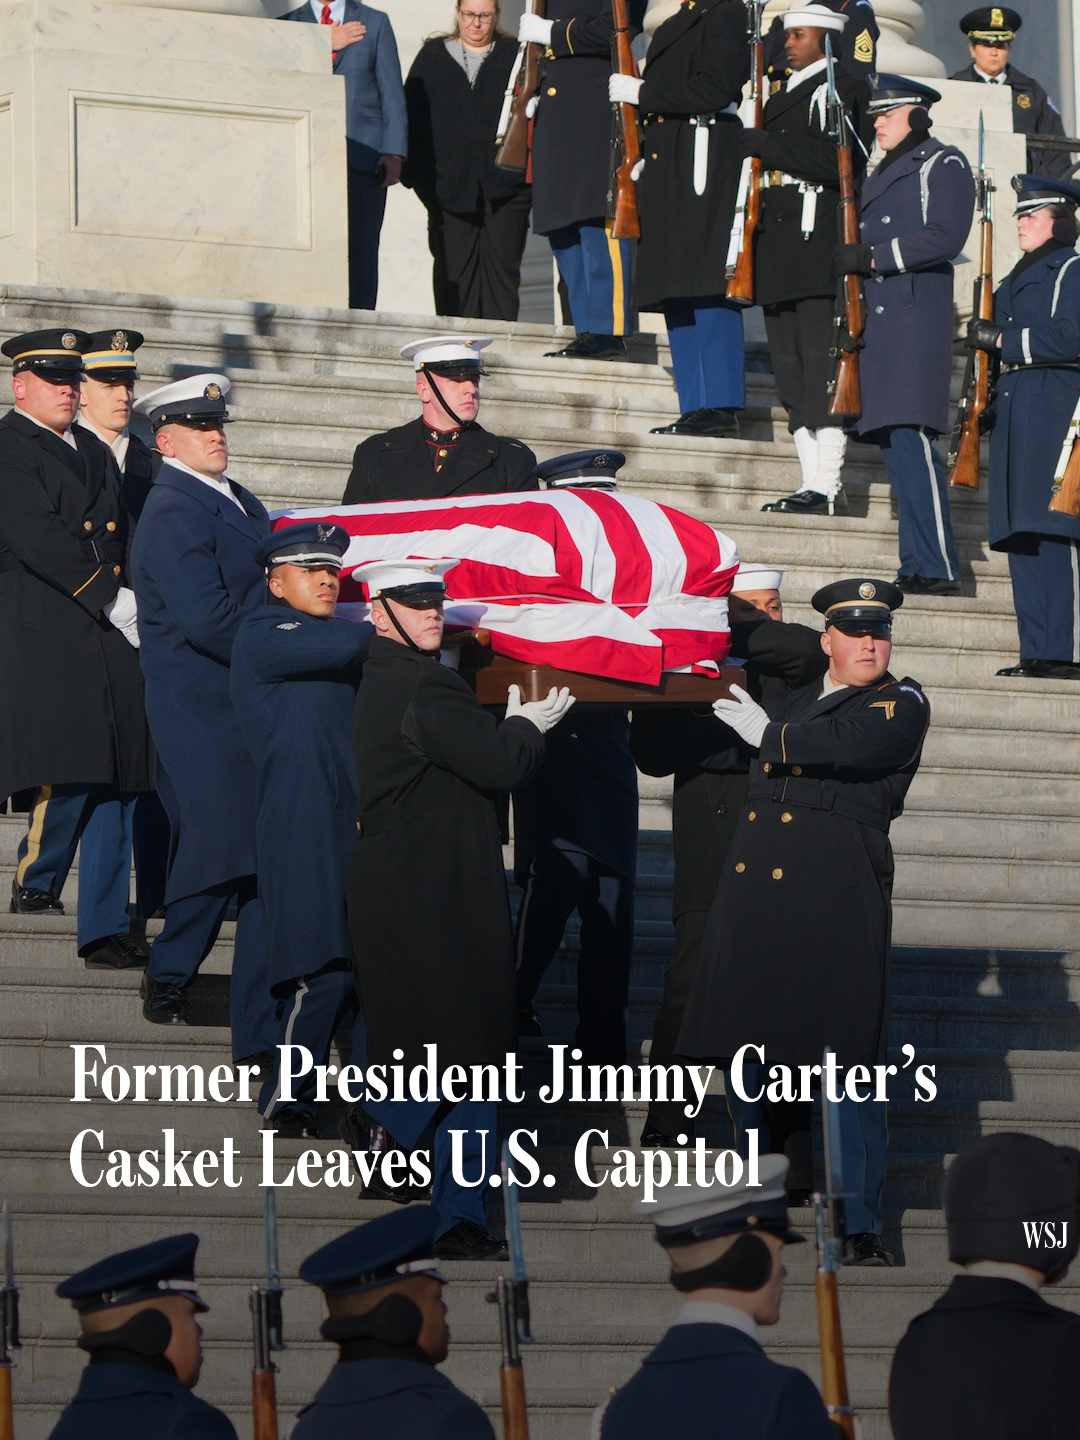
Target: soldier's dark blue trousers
[[310, 1016], [708, 353], [598, 274], [917, 475], [1046, 595]]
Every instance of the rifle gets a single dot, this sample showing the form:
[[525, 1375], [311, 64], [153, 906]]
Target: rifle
[[512, 137], [740, 256], [9, 1329], [844, 389], [830, 1225], [1065, 496], [964, 448], [512, 1297], [265, 1303], [625, 140]]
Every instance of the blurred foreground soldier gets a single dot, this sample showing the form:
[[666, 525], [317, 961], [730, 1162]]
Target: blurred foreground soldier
[[794, 271], [711, 764], [387, 1316], [444, 451], [855, 44], [991, 30], [196, 576], [73, 729], [138, 1311], [1036, 332], [916, 214], [435, 965], [710, 1375], [992, 1360], [796, 953], [293, 679], [575, 842]]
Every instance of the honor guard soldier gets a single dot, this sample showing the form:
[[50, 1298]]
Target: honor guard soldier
[[293, 679], [992, 1359], [430, 764], [711, 765], [383, 1290], [196, 576], [571, 171], [855, 43], [991, 30], [916, 215], [796, 953], [794, 267], [73, 735], [1036, 332], [138, 1311], [444, 451], [698, 63], [575, 842], [710, 1375]]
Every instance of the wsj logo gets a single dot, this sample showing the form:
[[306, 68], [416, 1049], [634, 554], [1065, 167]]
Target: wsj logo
[[1042, 1234]]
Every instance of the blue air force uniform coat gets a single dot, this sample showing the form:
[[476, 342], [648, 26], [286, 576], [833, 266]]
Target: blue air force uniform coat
[[713, 1380], [1040, 310], [390, 1397], [293, 681], [916, 213], [138, 1402], [195, 576]]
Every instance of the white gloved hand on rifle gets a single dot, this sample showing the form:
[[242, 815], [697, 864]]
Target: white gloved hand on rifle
[[532, 30], [544, 714], [122, 613], [743, 715], [623, 89], [531, 106]]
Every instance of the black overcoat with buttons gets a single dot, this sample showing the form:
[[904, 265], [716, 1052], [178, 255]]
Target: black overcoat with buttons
[[396, 465], [1034, 113], [796, 952], [73, 707]]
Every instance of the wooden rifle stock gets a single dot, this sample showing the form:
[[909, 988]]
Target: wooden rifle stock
[[515, 1412], [740, 286], [845, 392], [264, 1405], [834, 1388], [513, 151], [7, 1415], [964, 451], [1065, 496], [625, 140]]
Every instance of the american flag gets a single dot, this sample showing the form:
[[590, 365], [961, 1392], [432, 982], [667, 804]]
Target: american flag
[[588, 580]]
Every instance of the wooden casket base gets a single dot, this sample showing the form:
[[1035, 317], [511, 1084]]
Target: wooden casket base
[[490, 674]]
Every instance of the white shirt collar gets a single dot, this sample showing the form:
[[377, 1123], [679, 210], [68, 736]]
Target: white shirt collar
[[711, 1312], [990, 79], [337, 10], [67, 435], [119, 446], [797, 77], [221, 484], [829, 686]]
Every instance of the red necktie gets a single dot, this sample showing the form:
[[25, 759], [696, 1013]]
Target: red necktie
[[326, 20]]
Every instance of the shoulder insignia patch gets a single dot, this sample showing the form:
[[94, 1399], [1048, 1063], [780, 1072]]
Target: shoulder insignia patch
[[289, 625], [863, 49], [911, 690], [889, 706], [954, 160], [1023, 100]]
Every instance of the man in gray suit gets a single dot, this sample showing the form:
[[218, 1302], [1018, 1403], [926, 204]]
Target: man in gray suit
[[365, 52]]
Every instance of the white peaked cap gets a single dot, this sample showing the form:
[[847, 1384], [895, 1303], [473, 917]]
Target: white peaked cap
[[721, 1209], [444, 349], [756, 577], [192, 387], [379, 575], [818, 16]]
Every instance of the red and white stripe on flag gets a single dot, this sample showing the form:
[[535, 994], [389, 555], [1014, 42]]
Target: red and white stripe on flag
[[587, 580]]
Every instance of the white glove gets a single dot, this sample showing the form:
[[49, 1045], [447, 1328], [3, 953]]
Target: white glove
[[123, 614], [745, 716], [534, 31], [531, 106], [623, 89], [544, 714], [639, 166]]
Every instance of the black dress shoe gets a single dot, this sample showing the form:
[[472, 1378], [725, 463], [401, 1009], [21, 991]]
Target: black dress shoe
[[1026, 668], [866, 1249], [927, 585], [717, 424], [360, 1132], [800, 1199], [528, 1022], [25, 900], [115, 952], [653, 1138], [588, 346], [164, 1004], [292, 1122], [1056, 670], [469, 1241], [803, 502]]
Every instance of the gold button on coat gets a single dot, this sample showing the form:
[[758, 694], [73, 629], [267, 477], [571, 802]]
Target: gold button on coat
[[778, 874], [752, 815], [110, 525], [796, 769], [551, 89], [767, 767], [785, 817], [87, 524], [739, 868]]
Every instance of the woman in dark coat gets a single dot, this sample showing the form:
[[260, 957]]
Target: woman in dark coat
[[478, 215]]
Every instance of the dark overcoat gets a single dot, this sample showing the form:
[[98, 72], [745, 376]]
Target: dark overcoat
[[136, 1400], [195, 576], [429, 914], [571, 143], [796, 953], [698, 62], [396, 465], [710, 762], [73, 709], [452, 128], [855, 45], [141, 464], [293, 680], [714, 1380], [390, 1397], [991, 1360], [1040, 310], [788, 266], [916, 213], [1034, 113]]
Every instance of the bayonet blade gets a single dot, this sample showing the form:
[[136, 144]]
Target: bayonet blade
[[830, 1125], [9, 1249], [273, 1268], [512, 1206], [982, 157], [830, 68]]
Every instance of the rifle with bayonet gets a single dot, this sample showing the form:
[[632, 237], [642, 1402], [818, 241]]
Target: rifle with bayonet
[[740, 256], [512, 136], [625, 138], [845, 392], [9, 1329], [1065, 495], [831, 1230], [978, 378], [511, 1295], [266, 1328]]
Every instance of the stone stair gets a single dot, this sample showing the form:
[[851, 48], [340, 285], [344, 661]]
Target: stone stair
[[986, 965]]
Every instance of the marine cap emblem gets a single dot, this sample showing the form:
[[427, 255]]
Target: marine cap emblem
[[68, 341], [120, 340], [867, 591], [212, 392]]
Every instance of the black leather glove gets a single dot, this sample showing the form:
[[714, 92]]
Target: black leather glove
[[853, 260], [983, 335], [751, 142]]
